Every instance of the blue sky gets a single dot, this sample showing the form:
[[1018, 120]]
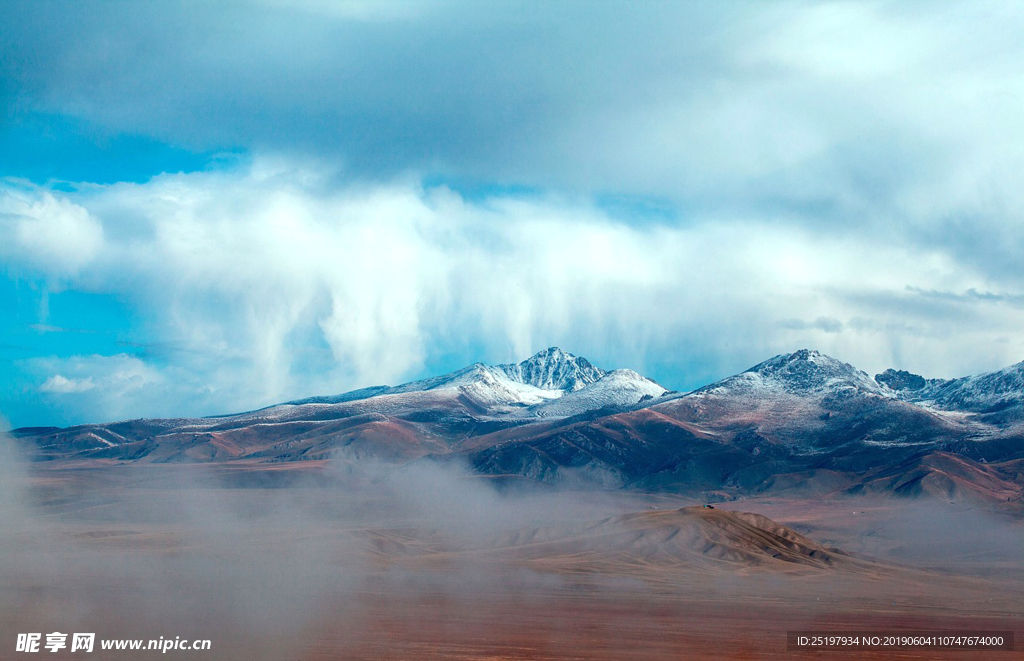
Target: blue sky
[[208, 208]]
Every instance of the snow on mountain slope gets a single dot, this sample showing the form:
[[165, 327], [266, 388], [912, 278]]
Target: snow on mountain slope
[[800, 418], [485, 388], [982, 393], [803, 373], [351, 396], [545, 376], [810, 402], [500, 390], [552, 382], [1000, 392], [485, 385], [554, 369], [490, 386], [615, 388], [806, 371]]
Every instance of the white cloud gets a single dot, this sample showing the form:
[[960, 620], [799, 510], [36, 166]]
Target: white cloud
[[267, 288], [61, 385], [95, 387], [44, 232], [846, 176]]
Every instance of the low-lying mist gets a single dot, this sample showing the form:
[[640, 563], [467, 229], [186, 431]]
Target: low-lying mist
[[253, 558], [267, 560]]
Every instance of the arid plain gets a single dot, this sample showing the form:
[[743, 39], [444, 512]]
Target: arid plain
[[305, 561]]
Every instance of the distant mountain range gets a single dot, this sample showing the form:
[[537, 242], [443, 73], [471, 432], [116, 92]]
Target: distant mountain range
[[801, 423]]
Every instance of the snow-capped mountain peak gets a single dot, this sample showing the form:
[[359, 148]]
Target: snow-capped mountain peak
[[554, 369], [485, 385], [807, 371], [989, 392], [552, 382]]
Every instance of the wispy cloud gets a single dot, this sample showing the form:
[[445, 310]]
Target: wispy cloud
[[61, 385], [826, 324], [45, 328], [970, 296], [112, 387], [683, 189], [270, 282]]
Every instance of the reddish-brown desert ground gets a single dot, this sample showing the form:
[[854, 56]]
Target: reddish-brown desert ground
[[299, 563]]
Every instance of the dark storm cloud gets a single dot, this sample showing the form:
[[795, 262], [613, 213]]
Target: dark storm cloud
[[450, 85]]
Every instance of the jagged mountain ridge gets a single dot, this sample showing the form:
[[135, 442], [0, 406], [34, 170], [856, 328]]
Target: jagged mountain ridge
[[554, 369], [546, 375], [796, 420], [801, 420], [404, 421], [990, 392]]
